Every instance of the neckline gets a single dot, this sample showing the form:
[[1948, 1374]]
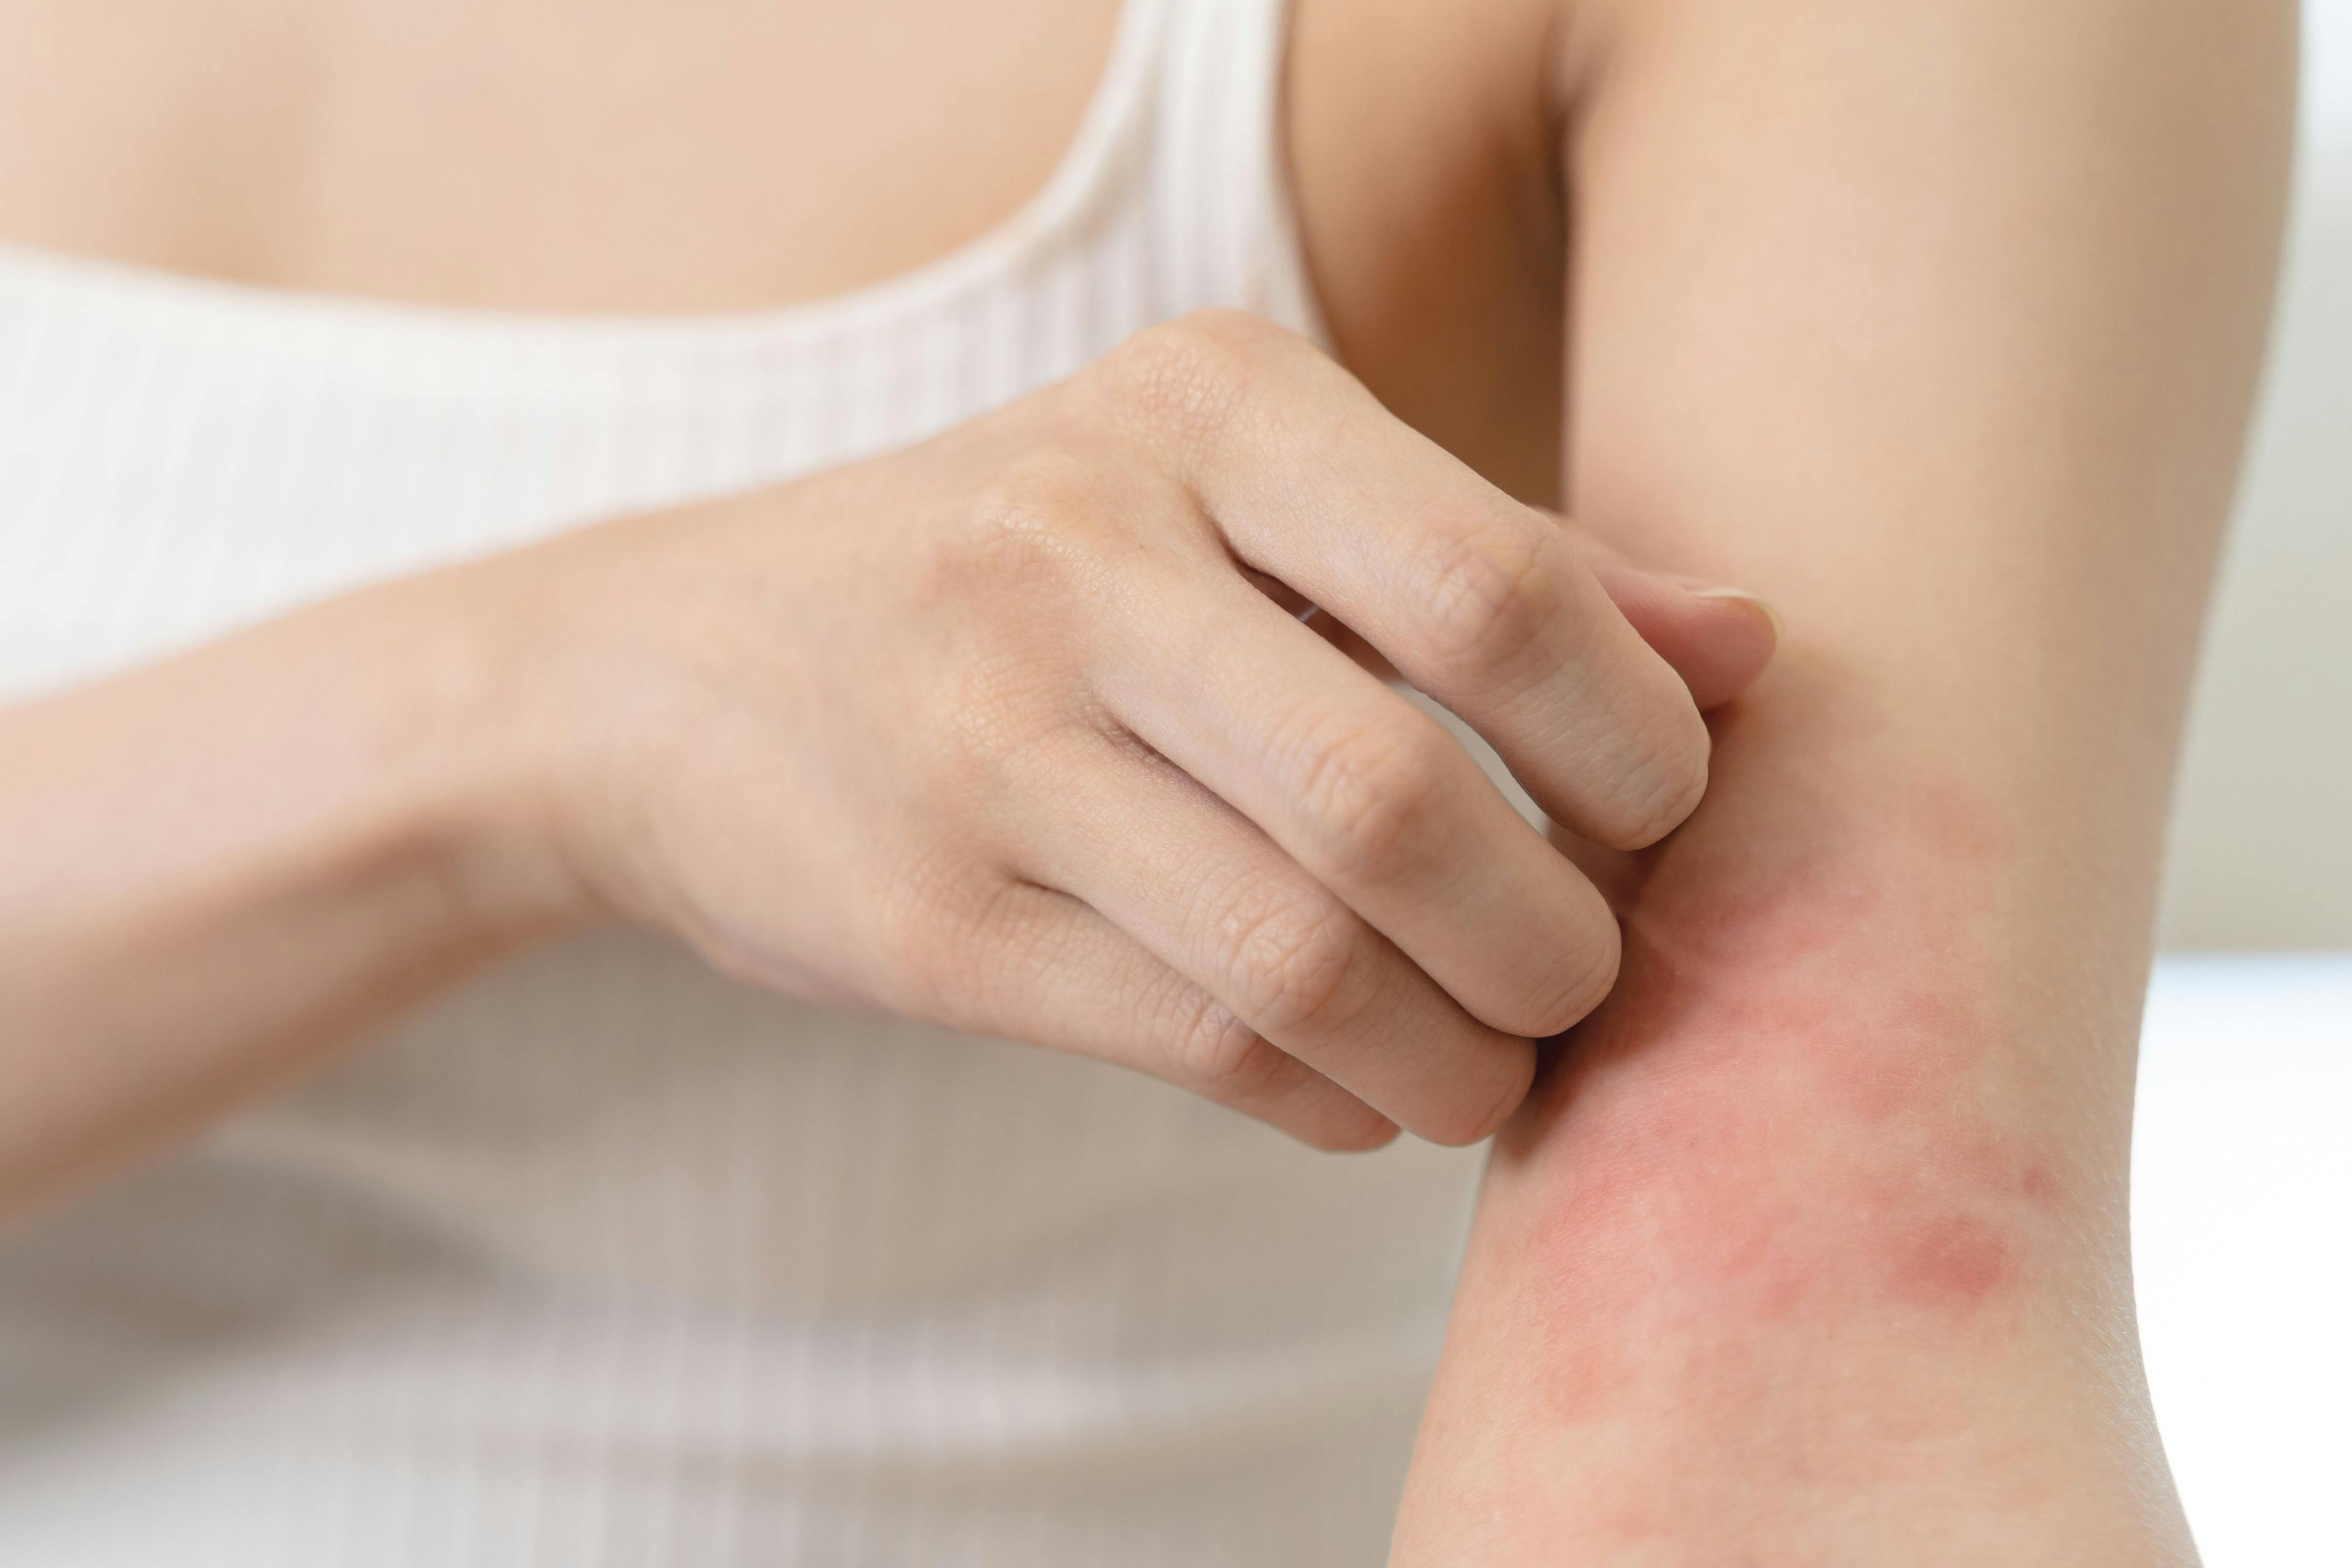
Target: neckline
[[1104, 128]]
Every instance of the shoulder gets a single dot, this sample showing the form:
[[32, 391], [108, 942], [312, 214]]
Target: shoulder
[[1423, 141]]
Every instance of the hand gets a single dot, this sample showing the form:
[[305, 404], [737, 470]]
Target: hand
[[1010, 732]]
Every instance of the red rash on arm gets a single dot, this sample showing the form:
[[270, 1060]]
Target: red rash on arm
[[1802, 1141], [1786, 1100], [1936, 323]]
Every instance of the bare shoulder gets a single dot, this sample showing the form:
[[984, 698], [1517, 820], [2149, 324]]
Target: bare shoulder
[[1422, 140]]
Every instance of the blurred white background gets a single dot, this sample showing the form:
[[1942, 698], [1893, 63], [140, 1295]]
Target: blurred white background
[[2262, 846], [2241, 1220], [2242, 1236]]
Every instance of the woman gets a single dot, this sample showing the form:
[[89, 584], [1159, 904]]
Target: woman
[[413, 1187]]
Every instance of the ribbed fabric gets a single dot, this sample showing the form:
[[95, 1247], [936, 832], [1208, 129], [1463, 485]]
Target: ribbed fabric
[[606, 1260]]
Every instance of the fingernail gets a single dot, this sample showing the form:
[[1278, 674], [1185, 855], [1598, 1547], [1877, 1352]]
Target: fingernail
[[1717, 591]]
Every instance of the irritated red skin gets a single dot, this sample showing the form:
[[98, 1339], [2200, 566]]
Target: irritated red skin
[[1784, 1113], [1780, 1214]]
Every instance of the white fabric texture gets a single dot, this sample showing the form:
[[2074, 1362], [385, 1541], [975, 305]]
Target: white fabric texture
[[606, 1260]]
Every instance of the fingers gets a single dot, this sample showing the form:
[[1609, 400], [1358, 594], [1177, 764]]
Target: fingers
[[1066, 978], [1717, 639], [1215, 899], [1371, 798], [1477, 599]]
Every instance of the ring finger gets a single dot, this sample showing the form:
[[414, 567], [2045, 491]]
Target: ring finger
[[1198, 885]]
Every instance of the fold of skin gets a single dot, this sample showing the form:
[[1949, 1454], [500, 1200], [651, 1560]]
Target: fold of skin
[[1811, 1246]]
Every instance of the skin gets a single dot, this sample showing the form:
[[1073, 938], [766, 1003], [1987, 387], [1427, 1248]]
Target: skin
[[1811, 1248], [1933, 323], [1011, 713]]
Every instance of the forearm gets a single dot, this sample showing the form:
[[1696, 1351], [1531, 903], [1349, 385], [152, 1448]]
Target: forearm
[[1811, 1248], [219, 865]]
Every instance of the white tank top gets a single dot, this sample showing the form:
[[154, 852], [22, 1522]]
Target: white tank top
[[607, 1259]]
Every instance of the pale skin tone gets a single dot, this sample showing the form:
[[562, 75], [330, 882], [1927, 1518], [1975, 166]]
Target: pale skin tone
[[1935, 324]]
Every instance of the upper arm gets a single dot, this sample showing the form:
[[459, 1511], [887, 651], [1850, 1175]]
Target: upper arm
[[1946, 310]]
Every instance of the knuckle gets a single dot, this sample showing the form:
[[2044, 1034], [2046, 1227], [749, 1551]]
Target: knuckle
[[990, 731], [933, 968], [1185, 376], [953, 942], [1371, 799], [1221, 1058], [1036, 518], [1219, 1052], [1296, 963], [1489, 597]]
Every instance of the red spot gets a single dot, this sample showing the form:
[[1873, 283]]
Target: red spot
[[2008, 1167], [1956, 1260], [2037, 1182]]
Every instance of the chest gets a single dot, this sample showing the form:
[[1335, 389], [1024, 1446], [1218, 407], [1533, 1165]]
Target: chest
[[605, 155], [697, 155], [178, 458]]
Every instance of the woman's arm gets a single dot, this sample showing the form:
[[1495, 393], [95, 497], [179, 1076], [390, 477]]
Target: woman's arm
[[216, 867], [1001, 733], [1937, 322]]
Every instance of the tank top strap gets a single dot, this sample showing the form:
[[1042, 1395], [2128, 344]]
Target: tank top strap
[[1224, 230]]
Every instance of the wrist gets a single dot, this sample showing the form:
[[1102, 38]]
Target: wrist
[[470, 796], [237, 857]]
